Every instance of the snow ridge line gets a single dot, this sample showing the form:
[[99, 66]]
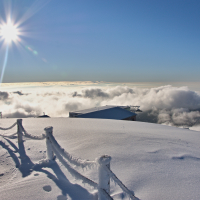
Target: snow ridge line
[[8, 127], [121, 185], [73, 171], [70, 158]]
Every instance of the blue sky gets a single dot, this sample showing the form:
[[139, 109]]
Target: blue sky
[[103, 40]]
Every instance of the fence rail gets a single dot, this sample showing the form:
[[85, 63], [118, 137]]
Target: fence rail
[[9, 127], [66, 155], [103, 163]]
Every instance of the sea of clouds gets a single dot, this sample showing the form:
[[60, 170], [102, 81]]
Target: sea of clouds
[[175, 106]]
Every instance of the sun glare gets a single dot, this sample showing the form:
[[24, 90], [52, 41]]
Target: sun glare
[[9, 32]]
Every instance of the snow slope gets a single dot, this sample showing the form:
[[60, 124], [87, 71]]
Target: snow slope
[[155, 161]]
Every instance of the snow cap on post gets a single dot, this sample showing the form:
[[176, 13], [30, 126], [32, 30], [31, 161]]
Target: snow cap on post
[[104, 160], [49, 129]]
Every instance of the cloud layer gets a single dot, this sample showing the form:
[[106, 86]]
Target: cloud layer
[[165, 105]]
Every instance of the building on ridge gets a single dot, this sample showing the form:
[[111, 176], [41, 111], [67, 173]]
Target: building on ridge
[[108, 112]]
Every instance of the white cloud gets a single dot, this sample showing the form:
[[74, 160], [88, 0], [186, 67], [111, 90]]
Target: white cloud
[[165, 105]]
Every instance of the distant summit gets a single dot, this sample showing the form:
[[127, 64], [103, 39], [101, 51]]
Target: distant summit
[[43, 115]]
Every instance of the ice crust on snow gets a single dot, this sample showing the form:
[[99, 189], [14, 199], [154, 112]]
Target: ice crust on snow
[[154, 161]]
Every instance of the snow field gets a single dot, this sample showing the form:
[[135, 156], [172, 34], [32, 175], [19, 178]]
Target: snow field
[[154, 161]]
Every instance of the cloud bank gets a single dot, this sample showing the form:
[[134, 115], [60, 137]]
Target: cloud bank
[[176, 106]]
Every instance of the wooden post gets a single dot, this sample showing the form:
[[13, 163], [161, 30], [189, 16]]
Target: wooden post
[[104, 178], [19, 130], [49, 131]]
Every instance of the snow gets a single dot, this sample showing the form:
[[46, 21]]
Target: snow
[[153, 161]]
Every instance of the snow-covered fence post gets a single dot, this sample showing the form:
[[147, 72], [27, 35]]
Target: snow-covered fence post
[[49, 131], [19, 130], [104, 178]]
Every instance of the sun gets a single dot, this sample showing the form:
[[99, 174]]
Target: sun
[[9, 32]]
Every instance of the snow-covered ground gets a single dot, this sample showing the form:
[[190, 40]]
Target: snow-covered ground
[[154, 161]]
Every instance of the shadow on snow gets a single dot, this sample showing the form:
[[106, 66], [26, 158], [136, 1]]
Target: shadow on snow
[[26, 167]]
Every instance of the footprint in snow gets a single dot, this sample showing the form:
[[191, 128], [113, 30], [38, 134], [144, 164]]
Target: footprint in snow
[[184, 157], [47, 188], [36, 174]]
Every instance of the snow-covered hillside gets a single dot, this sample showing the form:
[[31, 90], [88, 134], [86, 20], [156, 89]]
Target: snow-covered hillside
[[154, 161]]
